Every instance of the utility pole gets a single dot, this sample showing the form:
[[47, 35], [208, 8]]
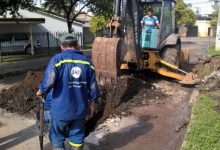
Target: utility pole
[[217, 46]]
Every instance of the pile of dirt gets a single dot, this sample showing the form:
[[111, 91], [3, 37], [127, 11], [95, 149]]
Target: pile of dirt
[[21, 98], [129, 92], [212, 63], [209, 72], [117, 98]]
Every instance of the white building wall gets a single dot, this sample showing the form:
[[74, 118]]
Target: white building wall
[[203, 7], [52, 24]]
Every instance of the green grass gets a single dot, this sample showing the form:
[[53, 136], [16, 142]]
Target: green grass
[[206, 71], [10, 59], [204, 130], [87, 46], [212, 51]]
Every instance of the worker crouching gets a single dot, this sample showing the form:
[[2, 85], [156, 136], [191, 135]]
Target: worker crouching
[[71, 75]]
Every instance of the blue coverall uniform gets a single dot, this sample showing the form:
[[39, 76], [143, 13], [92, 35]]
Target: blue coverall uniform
[[72, 77]]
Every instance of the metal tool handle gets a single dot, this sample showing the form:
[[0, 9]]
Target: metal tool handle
[[41, 135]]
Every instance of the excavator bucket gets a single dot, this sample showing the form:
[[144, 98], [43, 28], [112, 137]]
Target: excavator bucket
[[106, 57], [190, 79]]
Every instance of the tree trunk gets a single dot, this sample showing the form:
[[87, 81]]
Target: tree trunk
[[69, 25]]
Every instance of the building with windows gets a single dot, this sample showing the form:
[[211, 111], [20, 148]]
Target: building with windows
[[203, 7]]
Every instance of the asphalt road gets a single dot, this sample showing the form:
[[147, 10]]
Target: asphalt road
[[198, 47]]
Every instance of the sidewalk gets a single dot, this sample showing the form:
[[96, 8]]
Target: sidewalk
[[22, 66], [31, 64]]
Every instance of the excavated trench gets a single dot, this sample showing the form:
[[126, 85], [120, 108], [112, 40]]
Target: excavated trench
[[116, 99]]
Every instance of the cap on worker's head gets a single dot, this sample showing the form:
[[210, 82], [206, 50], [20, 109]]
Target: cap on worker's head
[[68, 38]]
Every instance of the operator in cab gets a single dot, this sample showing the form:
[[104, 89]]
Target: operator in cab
[[150, 21]]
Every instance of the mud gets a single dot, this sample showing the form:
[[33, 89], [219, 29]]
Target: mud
[[117, 98], [129, 92], [21, 98], [212, 63]]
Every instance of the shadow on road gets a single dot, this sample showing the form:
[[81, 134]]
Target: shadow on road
[[124, 136], [18, 138]]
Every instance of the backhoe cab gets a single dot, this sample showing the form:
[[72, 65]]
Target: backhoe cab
[[129, 46]]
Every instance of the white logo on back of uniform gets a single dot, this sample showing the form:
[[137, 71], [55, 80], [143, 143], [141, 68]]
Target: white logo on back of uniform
[[76, 72]]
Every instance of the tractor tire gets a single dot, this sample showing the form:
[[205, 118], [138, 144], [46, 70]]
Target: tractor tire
[[172, 55]]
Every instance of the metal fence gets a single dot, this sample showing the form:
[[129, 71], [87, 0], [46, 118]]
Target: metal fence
[[16, 44]]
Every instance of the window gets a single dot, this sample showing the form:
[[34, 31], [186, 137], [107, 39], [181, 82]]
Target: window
[[167, 20], [6, 37], [21, 37]]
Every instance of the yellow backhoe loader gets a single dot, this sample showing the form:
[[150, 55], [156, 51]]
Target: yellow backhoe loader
[[128, 46]]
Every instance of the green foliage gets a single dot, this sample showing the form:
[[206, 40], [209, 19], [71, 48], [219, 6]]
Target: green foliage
[[184, 15], [102, 7], [97, 23], [12, 6], [214, 18], [212, 51], [204, 130]]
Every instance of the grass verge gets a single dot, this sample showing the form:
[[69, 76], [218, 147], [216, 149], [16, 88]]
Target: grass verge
[[212, 51], [17, 58], [87, 46], [204, 130], [206, 71]]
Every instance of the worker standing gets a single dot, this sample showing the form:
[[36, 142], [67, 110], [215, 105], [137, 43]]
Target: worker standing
[[71, 75]]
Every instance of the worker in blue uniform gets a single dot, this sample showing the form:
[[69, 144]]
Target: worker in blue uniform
[[71, 75]]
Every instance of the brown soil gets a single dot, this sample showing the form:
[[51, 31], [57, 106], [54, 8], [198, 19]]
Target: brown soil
[[21, 98], [213, 83], [117, 99], [211, 63], [128, 92]]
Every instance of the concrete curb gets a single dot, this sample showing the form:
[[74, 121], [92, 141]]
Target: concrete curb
[[192, 101]]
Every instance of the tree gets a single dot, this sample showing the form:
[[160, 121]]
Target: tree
[[12, 6], [103, 11], [183, 14], [97, 23], [103, 8], [214, 18], [68, 8]]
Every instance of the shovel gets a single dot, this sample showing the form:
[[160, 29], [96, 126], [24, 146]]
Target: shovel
[[41, 135]]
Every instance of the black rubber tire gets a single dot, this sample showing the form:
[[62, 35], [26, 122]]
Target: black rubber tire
[[172, 55]]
